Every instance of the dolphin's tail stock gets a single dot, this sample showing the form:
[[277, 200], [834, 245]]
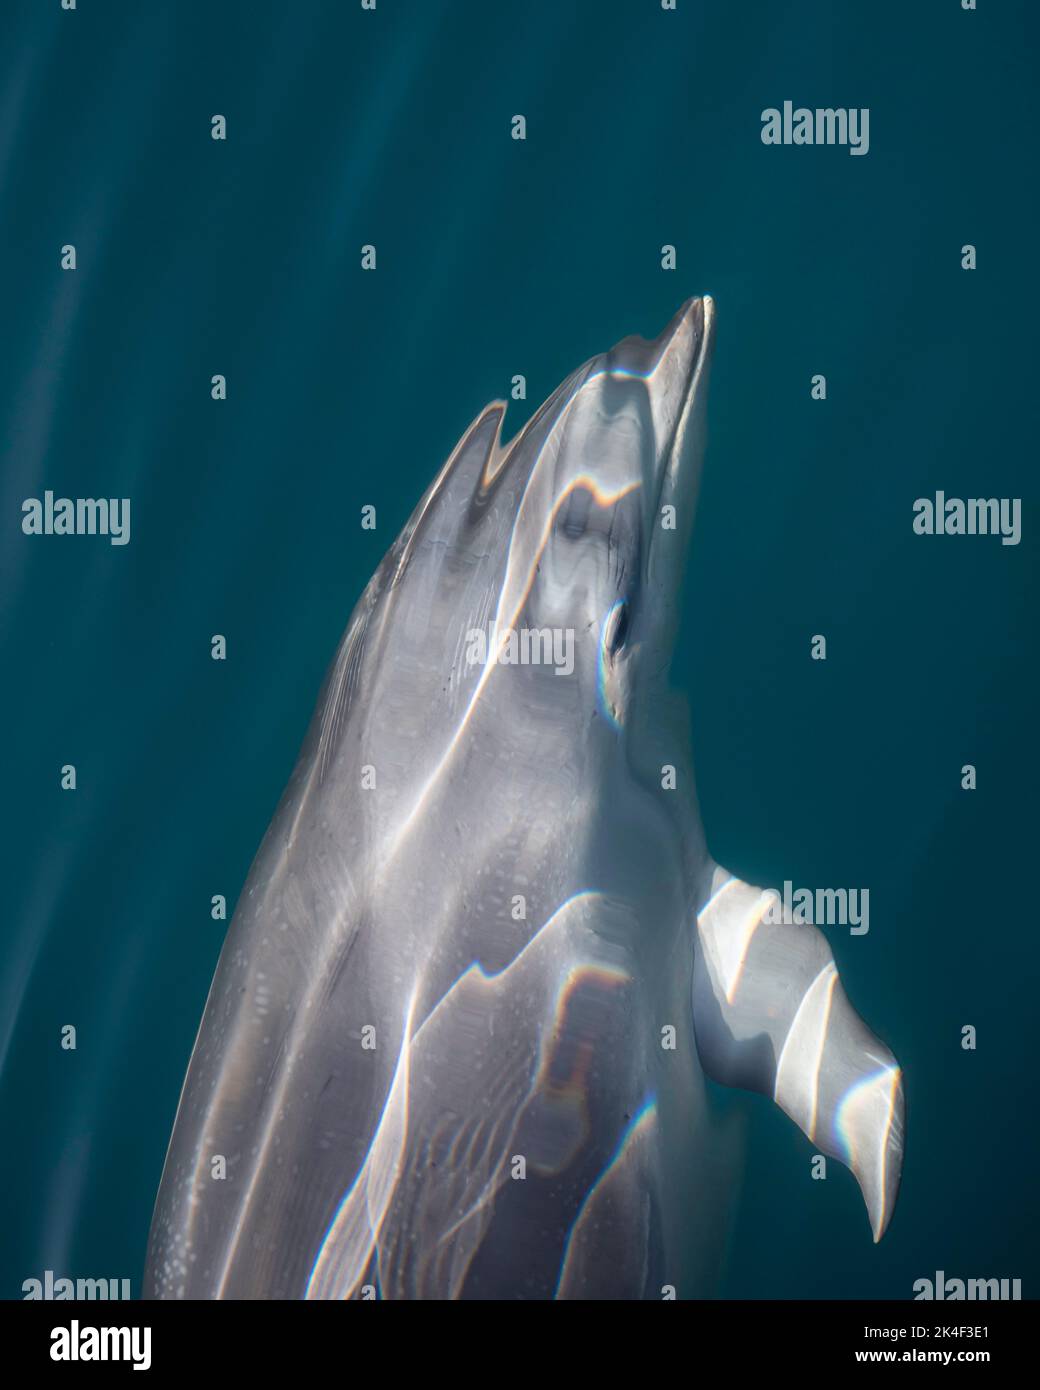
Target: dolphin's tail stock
[[770, 1015]]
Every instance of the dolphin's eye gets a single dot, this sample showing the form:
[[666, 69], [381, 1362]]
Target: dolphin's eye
[[618, 628]]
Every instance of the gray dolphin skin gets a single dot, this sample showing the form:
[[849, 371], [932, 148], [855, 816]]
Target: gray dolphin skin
[[456, 1042]]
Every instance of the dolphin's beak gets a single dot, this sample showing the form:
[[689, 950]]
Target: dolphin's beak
[[675, 368], [677, 391]]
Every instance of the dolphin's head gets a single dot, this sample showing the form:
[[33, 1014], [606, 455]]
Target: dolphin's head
[[623, 454], [603, 484], [563, 547]]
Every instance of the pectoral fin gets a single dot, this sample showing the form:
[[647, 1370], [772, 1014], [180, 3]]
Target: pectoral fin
[[770, 1015]]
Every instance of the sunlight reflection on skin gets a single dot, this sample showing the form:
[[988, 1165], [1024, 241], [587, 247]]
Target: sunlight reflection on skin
[[641, 1125], [869, 1108], [353, 1233]]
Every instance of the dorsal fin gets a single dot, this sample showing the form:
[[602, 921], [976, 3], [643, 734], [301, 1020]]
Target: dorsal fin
[[770, 1015]]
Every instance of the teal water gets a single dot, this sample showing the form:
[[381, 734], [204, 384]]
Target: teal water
[[495, 257]]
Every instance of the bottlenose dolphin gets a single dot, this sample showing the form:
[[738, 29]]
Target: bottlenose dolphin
[[455, 1042]]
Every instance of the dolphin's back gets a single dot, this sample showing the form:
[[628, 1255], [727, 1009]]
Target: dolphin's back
[[460, 1130]]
